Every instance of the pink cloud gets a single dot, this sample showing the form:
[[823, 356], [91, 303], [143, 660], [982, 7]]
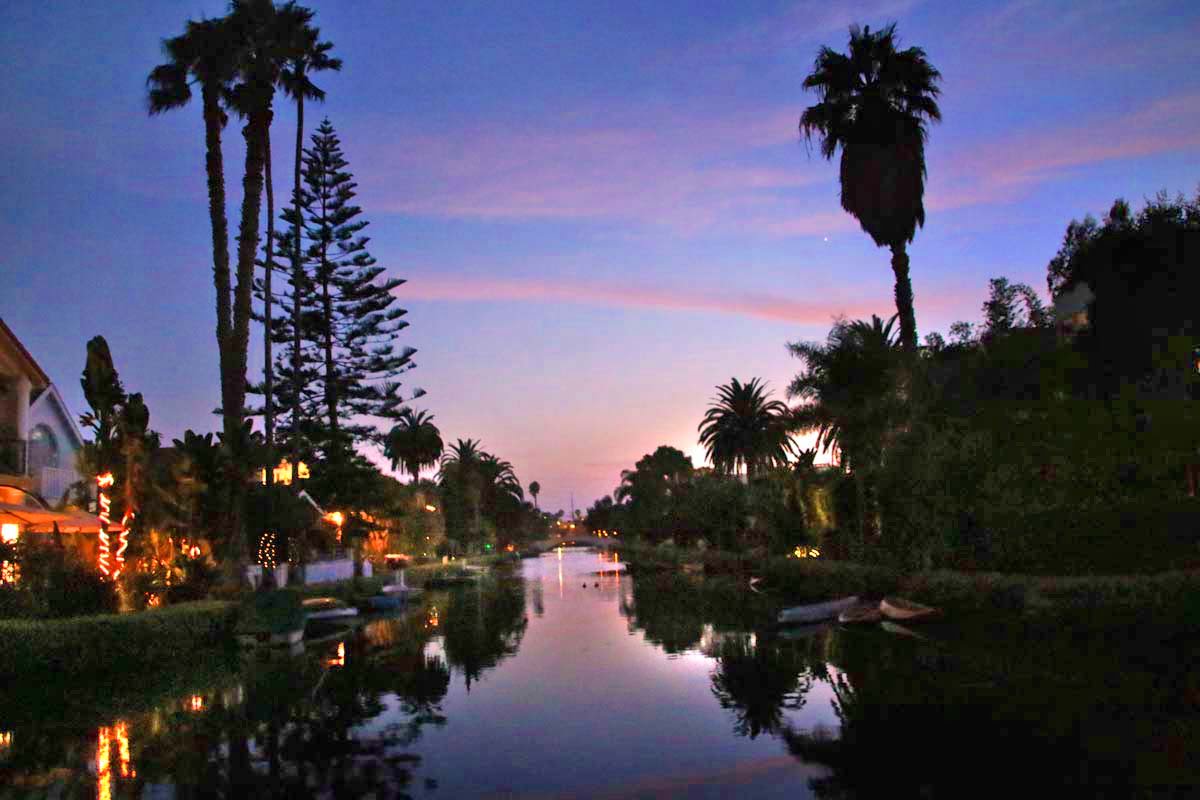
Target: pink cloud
[[1005, 169], [687, 172], [748, 304]]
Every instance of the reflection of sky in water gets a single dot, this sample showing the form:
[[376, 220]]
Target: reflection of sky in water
[[589, 706]]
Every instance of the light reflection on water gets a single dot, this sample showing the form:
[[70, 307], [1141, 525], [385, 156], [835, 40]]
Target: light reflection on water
[[612, 688]]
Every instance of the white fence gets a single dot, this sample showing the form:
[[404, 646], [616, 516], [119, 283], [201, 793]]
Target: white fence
[[341, 569]]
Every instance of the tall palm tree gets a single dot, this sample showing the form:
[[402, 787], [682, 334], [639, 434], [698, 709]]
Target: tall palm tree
[[535, 489], [206, 54], [852, 394], [414, 442], [308, 55], [290, 38], [261, 40], [874, 105], [743, 428]]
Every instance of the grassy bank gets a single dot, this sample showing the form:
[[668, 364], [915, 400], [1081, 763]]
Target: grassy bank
[[109, 644], [1167, 599]]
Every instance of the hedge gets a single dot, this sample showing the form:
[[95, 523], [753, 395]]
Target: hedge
[[1164, 600], [108, 643]]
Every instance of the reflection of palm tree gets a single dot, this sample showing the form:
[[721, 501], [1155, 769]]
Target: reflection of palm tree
[[758, 681], [483, 626], [874, 105], [743, 428]]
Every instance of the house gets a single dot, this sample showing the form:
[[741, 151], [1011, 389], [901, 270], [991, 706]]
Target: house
[[38, 435]]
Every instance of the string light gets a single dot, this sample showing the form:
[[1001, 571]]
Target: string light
[[104, 503], [266, 551]]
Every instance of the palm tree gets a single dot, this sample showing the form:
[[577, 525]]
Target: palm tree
[[308, 54], [852, 394], [289, 39], [743, 428], [874, 104], [261, 40], [461, 475], [415, 442], [206, 54], [535, 489]]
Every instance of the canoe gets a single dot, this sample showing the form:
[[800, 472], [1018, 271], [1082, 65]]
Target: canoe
[[900, 630], [861, 614], [385, 602], [799, 633], [816, 612], [316, 608], [901, 610]]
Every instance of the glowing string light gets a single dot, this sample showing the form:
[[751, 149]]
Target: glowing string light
[[104, 504], [266, 551]]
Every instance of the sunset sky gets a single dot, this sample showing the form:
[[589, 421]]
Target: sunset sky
[[603, 210]]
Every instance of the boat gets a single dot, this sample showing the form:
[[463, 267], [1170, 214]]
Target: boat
[[319, 608], [861, 614], [816, 612], [386, 602], [799, 633], [900, 610], [900, 630]]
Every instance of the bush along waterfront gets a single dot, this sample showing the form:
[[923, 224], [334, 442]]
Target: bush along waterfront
[[1041, 461]]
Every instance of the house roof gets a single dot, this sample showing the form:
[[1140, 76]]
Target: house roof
[[51, 396], [36, 373]]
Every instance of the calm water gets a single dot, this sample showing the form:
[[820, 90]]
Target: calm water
[[569, 679]]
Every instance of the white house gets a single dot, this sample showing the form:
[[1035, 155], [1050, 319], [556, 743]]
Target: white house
[[38, 435]]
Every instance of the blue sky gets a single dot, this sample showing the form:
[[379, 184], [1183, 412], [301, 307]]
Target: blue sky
[[602, 210]]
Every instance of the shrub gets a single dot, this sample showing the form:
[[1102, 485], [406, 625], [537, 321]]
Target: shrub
[[112, 643]]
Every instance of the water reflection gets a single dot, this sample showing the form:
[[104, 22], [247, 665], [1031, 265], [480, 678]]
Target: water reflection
[[338, 721], [620, 687], [758, 680]]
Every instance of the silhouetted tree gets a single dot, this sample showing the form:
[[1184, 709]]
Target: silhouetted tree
[[874, 105], [744, 428]]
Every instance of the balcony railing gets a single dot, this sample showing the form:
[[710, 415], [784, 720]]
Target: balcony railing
[[14, 456]]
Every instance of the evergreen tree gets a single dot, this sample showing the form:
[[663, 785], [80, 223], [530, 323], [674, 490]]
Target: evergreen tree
[[350, 357]]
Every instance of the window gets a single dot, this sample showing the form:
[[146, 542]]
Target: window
[[43, 449]]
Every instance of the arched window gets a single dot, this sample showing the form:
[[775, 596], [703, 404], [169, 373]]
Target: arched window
[[43, 449]]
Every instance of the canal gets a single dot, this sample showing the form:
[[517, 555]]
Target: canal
[[564, 677]]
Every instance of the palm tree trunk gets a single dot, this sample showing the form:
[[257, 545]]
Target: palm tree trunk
[[268, 366], [297, 283], [215, 168], [234, 410], [214, 165], [904, 297]]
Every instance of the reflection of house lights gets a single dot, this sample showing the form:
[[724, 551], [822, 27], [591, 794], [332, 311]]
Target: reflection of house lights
[[5, 742], [430, 507], [106, 737], [195, 551], [338, 660], [433, 619], [197, 703]]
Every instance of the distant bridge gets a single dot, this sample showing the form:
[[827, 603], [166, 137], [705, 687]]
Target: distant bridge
[[577, 540]]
